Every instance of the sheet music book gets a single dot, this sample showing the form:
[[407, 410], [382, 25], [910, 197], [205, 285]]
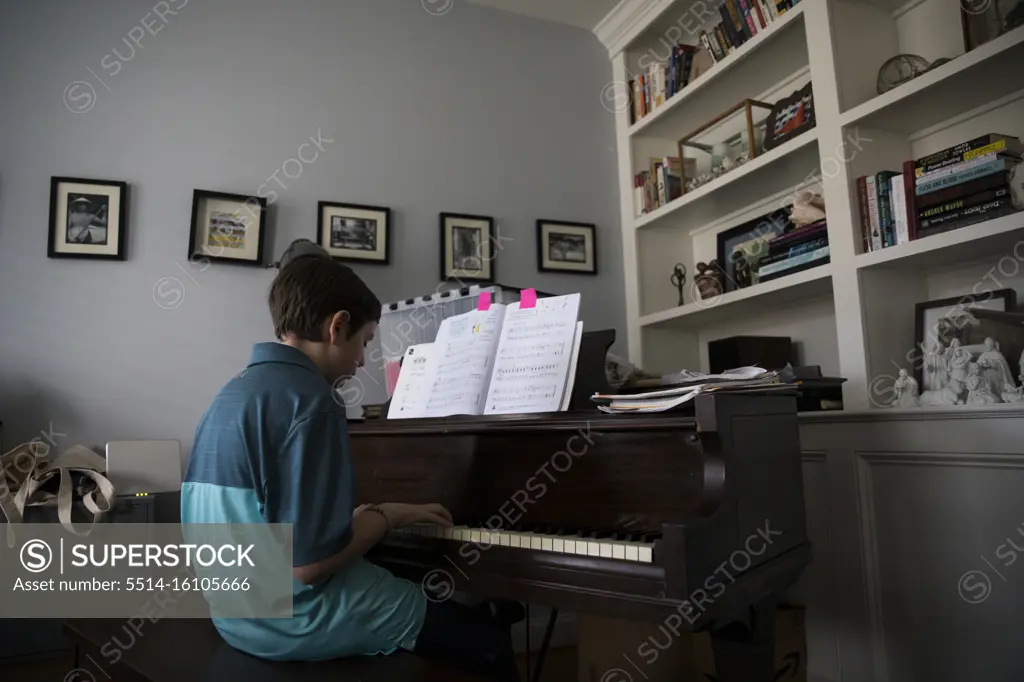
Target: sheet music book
[[501, 361], [412, 381]]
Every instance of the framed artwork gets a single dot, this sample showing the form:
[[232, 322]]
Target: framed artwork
[[938, 323], [985, 20], [227, 228], [789, 118], [354, 232], [566, 247], [467, 247], [88, 219], [741, 248]]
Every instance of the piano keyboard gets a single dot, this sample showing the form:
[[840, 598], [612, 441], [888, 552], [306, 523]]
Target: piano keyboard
[[583, 544]]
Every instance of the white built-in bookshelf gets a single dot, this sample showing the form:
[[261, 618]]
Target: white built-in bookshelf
[[855, 317]]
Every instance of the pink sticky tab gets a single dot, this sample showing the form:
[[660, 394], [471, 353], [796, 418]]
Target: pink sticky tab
[[484, 302], [528, 298]]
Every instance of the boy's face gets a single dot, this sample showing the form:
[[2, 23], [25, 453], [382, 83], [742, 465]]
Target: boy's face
[[347, 353]]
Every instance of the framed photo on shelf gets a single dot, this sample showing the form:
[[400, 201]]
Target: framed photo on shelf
[[467, 247], [790, 117], [227, 228], [88, 219], [741, 248], [355, 232], [566, 247], [938, 323]]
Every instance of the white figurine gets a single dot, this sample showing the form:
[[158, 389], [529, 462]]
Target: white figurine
[[1013, 394], [936, 368], [978, 390], [947, 395], [957, 359], [906, 391], [995, 367]]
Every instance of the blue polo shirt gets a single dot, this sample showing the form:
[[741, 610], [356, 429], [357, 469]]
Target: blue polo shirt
[[273, 448]]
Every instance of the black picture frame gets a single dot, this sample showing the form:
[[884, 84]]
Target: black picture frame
[[763, 227], [63, 240], [485, 255], [244, 211], [380, 254], [922, 324], [774, 138], [546, 263]]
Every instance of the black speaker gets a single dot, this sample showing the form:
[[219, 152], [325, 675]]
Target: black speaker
[[768, 352]]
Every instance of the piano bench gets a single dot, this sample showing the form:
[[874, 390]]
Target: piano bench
[[191, 650]]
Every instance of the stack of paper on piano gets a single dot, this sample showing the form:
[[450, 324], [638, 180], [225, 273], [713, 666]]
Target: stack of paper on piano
[[502, 360], [667, 399]]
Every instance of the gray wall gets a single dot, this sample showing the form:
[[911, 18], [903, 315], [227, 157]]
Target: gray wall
[[475, 111]]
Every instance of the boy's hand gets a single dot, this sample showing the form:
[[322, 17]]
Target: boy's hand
[[405, 515]]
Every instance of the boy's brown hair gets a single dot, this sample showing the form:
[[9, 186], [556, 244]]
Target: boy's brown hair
[[309, 289]]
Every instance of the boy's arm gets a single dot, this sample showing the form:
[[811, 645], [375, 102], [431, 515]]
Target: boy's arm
[[309, 485], [370, 523]]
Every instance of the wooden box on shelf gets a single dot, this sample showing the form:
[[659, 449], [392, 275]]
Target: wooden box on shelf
[[752, 145]]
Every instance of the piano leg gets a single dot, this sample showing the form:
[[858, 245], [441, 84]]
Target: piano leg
[[744, 650]]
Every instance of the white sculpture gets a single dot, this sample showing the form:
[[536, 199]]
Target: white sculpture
[[957, 360], [936, 367], [1012, 393], [994, 366], [978, 390], [947, 395], [906, 390]]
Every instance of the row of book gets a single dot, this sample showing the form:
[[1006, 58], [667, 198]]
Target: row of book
[[741, 21], [959, 186], [799, 249], [656, 187], [658, 82]]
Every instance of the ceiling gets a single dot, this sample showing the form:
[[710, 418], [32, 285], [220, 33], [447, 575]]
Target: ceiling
[[581, 13]]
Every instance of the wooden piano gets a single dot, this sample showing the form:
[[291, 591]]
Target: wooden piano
[[690, 519]]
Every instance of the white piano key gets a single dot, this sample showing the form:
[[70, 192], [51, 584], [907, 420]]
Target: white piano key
[[647, 554], [535, 542], [546, 543], [558, 545], [462, 534], [448, 533], [517, 540], [606, 550], [504, 539], [593, 548], [474, 536], [618, 550], [632, 552], [581, 547]]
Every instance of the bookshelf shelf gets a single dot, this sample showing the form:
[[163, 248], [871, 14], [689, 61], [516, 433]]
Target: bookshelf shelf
[[989, 72], [762, 161], [998, 236], [662, 115], [801, 285]]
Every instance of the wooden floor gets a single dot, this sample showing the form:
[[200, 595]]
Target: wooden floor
[[559, 667]]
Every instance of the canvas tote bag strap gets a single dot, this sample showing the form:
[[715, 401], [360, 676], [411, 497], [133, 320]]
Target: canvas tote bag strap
[[65, 498], [16, 467]]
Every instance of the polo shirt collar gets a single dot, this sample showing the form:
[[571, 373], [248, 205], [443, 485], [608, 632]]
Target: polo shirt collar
[[279, 352]]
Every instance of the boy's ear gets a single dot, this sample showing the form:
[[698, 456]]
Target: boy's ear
[[337, 330]]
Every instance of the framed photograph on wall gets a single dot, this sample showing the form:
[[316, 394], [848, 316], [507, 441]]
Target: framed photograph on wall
[[467, 247], [566, 247], [88, 219], [227, 228], [938, 323], [354, 232]]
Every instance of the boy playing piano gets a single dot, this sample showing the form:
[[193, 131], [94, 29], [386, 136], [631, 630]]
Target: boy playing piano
[[273, 448]]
